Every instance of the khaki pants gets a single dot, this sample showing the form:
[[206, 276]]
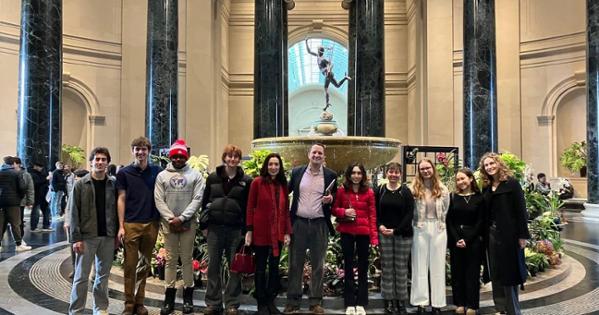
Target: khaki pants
[[11, 215], [139, 242], [179, 245]]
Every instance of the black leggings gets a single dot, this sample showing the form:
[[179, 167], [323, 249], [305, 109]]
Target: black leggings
[[350, 245], [266, 290]]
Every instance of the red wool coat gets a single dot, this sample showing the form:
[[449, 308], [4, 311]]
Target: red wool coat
[[268, 222], [363, 203]]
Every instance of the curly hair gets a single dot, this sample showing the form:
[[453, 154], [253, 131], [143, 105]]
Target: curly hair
[[504, 172], [418, 184]]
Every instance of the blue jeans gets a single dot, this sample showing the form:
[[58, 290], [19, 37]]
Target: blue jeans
[[101, 250], [55, 202]]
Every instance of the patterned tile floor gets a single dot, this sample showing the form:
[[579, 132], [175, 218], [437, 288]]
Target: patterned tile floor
[[36, 282]]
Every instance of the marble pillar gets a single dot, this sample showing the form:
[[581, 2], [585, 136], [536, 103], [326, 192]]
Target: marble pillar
[[40, 82], [480, 82], [366, 116], [592, 206], [161, 73], [270, 66], [352, 122]]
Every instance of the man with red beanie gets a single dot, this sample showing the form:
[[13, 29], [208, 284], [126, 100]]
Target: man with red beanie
[[178, 195]]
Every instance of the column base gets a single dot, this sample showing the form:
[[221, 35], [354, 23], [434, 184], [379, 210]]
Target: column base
[[591, 212]]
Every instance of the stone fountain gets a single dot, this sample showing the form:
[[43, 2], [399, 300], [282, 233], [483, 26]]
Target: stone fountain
[[340, 151]]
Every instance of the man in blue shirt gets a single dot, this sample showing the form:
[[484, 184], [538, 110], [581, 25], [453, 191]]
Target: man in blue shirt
[[138, 222]]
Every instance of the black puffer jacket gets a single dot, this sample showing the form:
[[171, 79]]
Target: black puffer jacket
[[12, 187], [221, 207]]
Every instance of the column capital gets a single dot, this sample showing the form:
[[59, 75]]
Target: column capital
[[289, 4], [346, 4]]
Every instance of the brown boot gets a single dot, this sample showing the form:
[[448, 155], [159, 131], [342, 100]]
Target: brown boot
[[128, 310], [140, 309]]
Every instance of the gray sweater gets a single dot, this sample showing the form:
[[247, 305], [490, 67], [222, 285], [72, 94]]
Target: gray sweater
[[178, 192]]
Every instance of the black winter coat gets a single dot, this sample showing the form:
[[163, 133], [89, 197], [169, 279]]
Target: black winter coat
[[506, 207], [225, 208], [12, 187], [40, 185]]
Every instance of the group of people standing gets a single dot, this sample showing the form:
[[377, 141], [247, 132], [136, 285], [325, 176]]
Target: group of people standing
[[234, 210]]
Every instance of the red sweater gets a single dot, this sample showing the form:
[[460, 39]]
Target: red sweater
[[363, 203], [268, 220]]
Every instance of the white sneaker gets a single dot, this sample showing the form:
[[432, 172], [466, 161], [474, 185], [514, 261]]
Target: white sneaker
[[360, 310], [23, 247], [48, 230], [350, 310], [102, 312], [23, 243]]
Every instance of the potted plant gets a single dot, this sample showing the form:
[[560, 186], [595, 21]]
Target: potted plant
[[574, 158]]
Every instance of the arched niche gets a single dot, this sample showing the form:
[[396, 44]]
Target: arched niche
[[80, 113], [570, 121], [567, 95]]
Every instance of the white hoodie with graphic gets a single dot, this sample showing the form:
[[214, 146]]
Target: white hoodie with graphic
[[178, 192]]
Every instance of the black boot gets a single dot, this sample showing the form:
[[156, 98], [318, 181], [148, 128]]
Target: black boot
[[400, 306], [262, 309], [421, 310], [169, 301], [436, 311], [389, 307], [188, 300]]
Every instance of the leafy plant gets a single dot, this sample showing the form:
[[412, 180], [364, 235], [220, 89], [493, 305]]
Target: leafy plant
[[574, 157], [199, 163], [73, 155], [515, 164]]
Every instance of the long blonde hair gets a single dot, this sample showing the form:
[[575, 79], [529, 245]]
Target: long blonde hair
[[418, 184], [504, 172]]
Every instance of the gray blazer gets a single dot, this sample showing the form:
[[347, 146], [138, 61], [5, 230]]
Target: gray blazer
[[82, 210]]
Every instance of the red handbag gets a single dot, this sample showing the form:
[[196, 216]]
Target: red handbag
[[244, 262]]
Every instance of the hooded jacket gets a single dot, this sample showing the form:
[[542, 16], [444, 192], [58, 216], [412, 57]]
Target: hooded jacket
[[12, 187], [178, 193]]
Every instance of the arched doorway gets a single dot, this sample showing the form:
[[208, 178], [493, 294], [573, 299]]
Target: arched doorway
[[305, 82], [570, 120]]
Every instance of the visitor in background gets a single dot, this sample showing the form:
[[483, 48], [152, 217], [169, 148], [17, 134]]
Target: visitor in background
[[13, 187], [356, 221], [508, 232], [395, 211], [178, 195], [430, 238], [225, 200], [268, 229], [138, 223], [69, 179], [40, 188], [313, 187], [465, 221], [93, 222], [543, 186], [28, 198], [112, 170], [58, 186]]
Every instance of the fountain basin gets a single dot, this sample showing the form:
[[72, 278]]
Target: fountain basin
[[340, 151]]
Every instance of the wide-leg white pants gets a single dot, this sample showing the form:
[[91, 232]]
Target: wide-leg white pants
[[428, 253]]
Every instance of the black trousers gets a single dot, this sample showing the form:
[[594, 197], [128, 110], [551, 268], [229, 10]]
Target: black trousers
[[465, 274], [350, 245], [266, 289]]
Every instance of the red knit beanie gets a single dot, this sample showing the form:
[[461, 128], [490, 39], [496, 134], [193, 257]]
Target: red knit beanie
[[178, 148]]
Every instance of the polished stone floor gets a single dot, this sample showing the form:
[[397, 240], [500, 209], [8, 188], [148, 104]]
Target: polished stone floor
[[36, 282]]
